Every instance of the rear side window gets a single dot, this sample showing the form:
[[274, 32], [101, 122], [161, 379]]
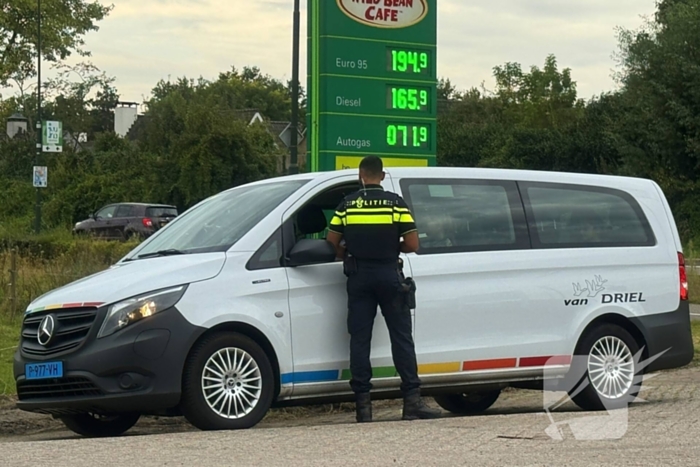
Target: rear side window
[[161, 212], [124, 210], [579, 217], [466, 215]]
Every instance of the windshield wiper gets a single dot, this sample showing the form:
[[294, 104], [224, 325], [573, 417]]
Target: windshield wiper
[[169, 252]]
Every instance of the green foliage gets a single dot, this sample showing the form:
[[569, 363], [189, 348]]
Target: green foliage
[[200, 142], [64, 24], [532, 120], [659, 136]]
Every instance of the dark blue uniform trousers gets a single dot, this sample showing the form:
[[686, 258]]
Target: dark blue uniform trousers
[[378, 284]]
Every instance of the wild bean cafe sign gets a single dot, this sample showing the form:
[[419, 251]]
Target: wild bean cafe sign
[[372, 82], [385, 13]]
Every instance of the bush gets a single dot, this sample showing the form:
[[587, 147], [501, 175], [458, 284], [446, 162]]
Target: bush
[[49, 261]]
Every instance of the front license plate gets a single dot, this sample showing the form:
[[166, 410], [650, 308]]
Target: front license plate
[[43, 370]]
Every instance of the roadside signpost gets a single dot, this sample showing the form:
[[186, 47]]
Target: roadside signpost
[[372, 82], [52, 137], [40, 178]]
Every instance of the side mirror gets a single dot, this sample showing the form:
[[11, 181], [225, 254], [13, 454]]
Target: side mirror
[[309, 251]]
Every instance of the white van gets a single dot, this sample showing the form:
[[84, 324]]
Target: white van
[[239, 305]]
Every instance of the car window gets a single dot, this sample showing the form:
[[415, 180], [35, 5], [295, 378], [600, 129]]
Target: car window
[[586, 217], [161, 212], [106, 213], [124, 210], [464, 215], [220, 221]]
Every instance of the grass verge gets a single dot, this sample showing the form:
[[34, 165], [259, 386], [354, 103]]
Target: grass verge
[[9, 337], [695, 326], [694, 287]]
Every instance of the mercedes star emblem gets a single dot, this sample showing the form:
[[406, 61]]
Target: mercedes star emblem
[[46, 330]]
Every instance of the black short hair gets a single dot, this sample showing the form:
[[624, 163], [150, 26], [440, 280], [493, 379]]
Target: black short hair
[[372, 166]]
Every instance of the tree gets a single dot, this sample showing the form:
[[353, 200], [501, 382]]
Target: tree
[[660, 134], [201, 143], [64, 23], [543, 98]]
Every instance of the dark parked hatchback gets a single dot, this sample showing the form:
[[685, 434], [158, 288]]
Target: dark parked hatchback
[[124, 221]]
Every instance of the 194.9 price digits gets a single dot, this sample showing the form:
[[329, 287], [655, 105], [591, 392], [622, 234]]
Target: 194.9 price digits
[[415, 136], [408, 61]]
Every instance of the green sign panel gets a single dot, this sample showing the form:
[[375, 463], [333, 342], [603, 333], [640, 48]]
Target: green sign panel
[[372, 82], [52, 136]]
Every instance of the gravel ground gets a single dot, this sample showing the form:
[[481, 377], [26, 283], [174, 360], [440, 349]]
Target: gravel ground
[[663, 430]]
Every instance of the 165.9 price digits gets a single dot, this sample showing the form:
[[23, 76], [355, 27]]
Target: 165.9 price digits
[[415, 136], [408, 98]]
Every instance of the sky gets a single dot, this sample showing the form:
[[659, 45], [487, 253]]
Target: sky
[[143, 41]]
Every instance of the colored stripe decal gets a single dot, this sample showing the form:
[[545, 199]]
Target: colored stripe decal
[[436, 368], [379, 372], [543, 361], [489, 364], [310, 376], [429, 369]]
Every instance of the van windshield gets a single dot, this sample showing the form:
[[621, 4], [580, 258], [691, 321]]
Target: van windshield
[[220, 221]]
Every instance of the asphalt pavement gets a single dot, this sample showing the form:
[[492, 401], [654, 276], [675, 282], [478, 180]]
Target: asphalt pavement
[[663, 430], [695, 312]]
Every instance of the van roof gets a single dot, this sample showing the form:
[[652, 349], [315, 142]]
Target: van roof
[[490, 173]]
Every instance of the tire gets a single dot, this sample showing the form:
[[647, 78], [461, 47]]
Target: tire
[[590, 392], [226, 403], [97, 426], [468, 403]]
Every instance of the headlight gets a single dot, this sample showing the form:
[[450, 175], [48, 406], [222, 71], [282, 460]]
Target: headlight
[[122, 314]]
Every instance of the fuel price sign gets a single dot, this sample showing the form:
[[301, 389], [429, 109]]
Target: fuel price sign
[[372, 82]]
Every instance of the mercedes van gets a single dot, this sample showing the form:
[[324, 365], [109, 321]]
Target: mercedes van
[[238, 305]]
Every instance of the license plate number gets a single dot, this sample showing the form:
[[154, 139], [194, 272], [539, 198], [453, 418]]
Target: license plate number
[[43, 370]]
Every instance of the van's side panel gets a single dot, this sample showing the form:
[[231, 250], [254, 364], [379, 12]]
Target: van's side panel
[[318, 312], [253, 298], [523, 306], [477, 310]]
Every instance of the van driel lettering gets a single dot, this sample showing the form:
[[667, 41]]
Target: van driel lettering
[[576, 302], [633, 297]]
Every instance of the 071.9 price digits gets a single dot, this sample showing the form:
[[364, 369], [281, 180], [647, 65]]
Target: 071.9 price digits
[[415, 136]]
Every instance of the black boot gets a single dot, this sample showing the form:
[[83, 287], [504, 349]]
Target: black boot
[[414, 408], [363, 408]]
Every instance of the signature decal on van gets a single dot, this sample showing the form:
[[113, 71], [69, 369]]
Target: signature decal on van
[[591, 290], [594, 288]]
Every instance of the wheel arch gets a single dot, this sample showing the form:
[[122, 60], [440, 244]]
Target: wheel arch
[[619, 320], [251, 332]]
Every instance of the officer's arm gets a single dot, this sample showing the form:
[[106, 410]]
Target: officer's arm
[[334, 238], [336, 229], [410, 242], [407, 227]]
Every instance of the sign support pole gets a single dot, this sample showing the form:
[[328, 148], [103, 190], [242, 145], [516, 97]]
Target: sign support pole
[[39, 130], [294, 142]]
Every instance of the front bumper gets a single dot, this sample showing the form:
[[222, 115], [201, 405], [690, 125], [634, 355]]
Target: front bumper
[[137, 369], [668, 337]]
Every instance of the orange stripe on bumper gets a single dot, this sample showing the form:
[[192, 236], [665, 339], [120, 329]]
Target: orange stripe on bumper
[[435, 368]]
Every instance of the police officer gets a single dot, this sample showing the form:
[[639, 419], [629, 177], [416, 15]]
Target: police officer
[[371, 223]]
